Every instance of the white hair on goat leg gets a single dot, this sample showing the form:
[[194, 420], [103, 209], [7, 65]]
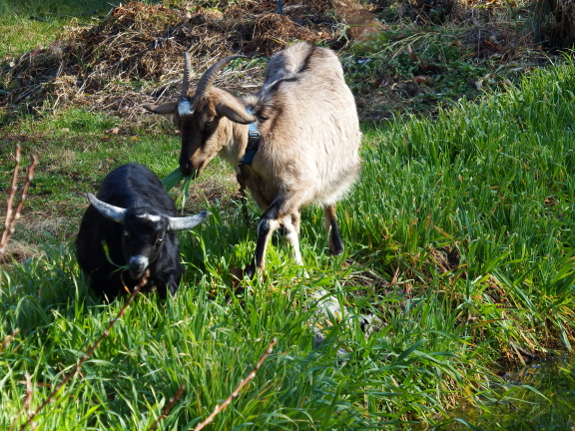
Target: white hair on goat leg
[[309, 138]]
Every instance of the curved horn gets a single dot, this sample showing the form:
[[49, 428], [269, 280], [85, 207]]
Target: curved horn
[[210, 75], [186, 81], [186, 223], [111, 212]]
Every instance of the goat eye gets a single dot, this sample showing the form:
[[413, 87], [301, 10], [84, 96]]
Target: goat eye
[[126, 233], [209, 124], [160, 239]]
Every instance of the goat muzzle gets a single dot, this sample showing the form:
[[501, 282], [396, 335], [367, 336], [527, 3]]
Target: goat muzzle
[[138, 265]]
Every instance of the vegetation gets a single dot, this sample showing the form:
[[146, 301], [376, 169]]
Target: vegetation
[[458, 250]]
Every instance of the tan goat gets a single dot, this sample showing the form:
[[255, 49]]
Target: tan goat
[[307, 149]]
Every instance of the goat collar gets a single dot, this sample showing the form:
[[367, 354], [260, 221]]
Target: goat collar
[[253, 143]]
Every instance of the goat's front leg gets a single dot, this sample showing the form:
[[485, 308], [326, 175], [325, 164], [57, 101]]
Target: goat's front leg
[[269, 222]]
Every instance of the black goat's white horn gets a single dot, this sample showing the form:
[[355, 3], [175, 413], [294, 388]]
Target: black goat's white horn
[[111, 212], [186, 223], [209, 76]]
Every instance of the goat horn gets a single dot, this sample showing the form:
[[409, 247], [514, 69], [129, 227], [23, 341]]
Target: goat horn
[[186, 81], [209, 77], [186, 223], [111, 212]]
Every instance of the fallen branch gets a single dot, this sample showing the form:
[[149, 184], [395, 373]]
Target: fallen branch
[[90, 351], [8, 340], [168, 407], [26, 403], [236, 392], [11, 216]]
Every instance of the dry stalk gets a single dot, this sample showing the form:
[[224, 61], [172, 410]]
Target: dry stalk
[[11, 216], [90, 351], [236, 392], [8, 340], [26, 403], [168, 407]]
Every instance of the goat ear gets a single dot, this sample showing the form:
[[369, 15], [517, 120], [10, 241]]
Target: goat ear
[[231, 108], [186, 223], [111, 212], [165, 109]]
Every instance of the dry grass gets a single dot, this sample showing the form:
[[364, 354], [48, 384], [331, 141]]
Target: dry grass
[[134, 55]]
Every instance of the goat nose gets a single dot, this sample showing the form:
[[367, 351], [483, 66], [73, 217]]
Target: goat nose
[[138, 264]]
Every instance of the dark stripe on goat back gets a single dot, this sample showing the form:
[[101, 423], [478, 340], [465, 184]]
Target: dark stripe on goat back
[[277, 84], [307, 60], [303, 66]]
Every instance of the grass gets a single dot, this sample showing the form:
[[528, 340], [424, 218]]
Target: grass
[[30, 25], [458, 241], [499, 195], [76, 148]]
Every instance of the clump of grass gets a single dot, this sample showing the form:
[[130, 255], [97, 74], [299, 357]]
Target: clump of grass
[[491, 181]]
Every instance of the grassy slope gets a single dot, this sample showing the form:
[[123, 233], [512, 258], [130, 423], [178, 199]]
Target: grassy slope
[[500, 194], [32, 24], [489, 181]]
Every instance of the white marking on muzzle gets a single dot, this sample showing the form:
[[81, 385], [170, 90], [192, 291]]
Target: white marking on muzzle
[[140, 262]]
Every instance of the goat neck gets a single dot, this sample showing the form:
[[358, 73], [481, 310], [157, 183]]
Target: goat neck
[[236, 148]]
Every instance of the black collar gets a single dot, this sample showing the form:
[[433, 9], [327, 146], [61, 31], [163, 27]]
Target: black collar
[[253, 144]]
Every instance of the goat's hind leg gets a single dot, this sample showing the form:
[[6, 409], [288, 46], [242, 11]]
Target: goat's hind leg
[[290, 224], [335, 242]]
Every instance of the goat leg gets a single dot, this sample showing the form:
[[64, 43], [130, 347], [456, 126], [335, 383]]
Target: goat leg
[[269, 222], [291, 227], [335, 242]]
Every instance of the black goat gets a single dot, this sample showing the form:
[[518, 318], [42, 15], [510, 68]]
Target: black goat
[[135, 219]]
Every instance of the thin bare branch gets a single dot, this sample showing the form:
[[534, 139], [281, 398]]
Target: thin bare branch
[[8, 340], [26, 403], [11, 216], [236, 392], [168, 407], [10, 203], [90, 351]]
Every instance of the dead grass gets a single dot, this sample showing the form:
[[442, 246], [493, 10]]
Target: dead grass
[[134, 55]]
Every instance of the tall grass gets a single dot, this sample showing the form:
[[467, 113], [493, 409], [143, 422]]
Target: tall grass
[[469, 214], [493, 181]]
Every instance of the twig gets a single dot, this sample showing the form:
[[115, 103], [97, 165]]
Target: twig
[[10, 221], [236, 392], [90, 351], [168, 407], [26, 402], [8, 340]]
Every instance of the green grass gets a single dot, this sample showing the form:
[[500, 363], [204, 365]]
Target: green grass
[[35, 24], [489, 180], [487, 184], [76, 148]]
